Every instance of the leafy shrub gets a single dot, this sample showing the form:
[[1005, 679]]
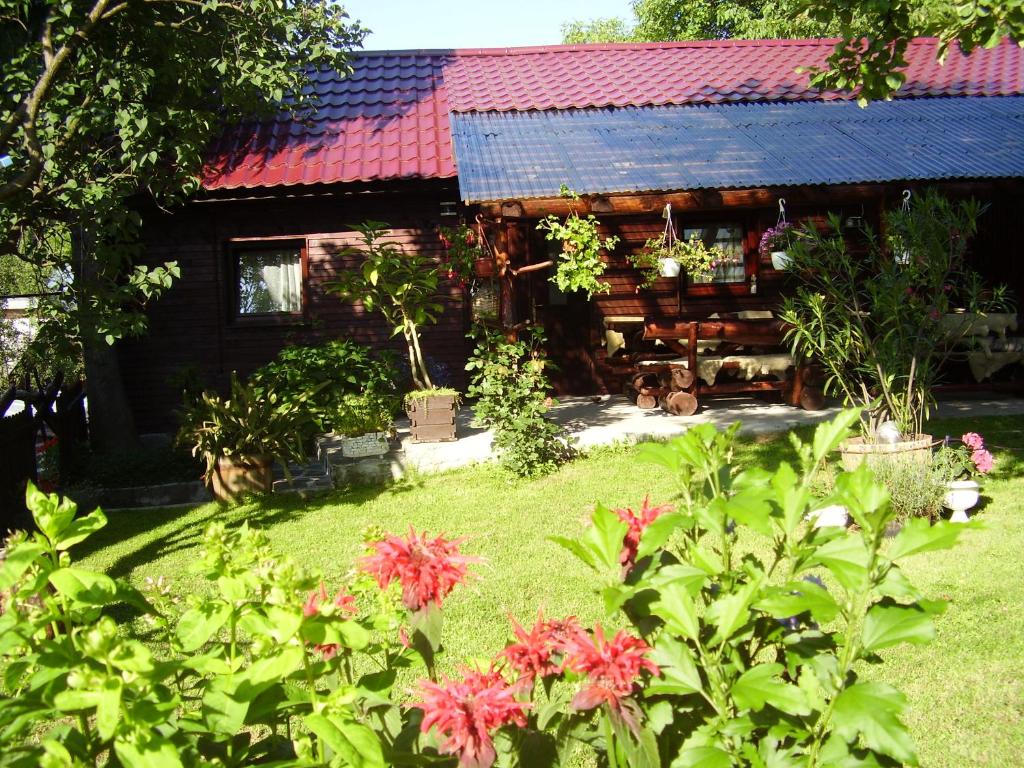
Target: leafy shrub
[[147, 465], [579, 266], [915, 490], [322, 376], [736, 652], [359, 414], [512, 389]]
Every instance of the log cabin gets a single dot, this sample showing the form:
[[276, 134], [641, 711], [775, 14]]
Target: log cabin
[[718, 132]]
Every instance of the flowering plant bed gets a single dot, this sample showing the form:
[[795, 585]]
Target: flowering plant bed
[[703, 665], [962, 459]]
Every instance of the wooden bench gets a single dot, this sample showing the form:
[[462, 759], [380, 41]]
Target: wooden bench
[[753, 348]]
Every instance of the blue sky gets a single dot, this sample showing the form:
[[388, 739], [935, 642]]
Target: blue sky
[[399, 24]]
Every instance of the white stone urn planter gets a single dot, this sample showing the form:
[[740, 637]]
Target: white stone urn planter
[[780, 260], [834, 515], [668, 267], [961, 495]]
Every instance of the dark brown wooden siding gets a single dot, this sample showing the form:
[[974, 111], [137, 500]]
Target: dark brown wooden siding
[[192, 332]]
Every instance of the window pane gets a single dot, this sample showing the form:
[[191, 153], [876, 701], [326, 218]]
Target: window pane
[[728, 237], [269, 281]]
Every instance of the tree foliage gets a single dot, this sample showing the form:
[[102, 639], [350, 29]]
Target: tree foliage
[[874, 33]]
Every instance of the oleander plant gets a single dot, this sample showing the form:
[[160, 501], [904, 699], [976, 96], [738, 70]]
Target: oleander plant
[[736, 634]]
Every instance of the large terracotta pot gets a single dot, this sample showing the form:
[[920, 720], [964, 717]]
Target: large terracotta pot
[[235, 477], [856, 450]]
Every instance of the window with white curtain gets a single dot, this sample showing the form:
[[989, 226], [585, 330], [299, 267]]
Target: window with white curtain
[[269, 280], [728, 237]]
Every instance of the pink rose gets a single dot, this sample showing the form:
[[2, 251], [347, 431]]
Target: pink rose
[[973, 441]]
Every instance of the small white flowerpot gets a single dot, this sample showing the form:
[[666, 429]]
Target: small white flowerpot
[[668, 267], [902, 258], [780, 260], [828, 517], [961, 495]]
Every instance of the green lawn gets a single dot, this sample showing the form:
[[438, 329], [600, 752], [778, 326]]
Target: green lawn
[[965, 689]]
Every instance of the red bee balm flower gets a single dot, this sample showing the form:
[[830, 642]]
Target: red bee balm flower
[[346, 604], [531, 657], [612, 666], [467, 711], [638, 522], [428, 569]]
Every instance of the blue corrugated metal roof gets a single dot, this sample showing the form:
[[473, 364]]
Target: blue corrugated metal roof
[[516, 155]]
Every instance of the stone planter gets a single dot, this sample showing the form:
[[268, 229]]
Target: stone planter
[[235, 477], [370, 444], [856, 450], [432, 419], [961, 495]]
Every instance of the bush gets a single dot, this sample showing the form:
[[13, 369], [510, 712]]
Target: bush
[[323, 375], [512, 389], [915, 489], [148, 465], [736, 652]]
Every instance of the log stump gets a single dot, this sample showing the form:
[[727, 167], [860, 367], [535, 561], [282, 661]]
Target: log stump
[[812, 399], [679, 403], [646, 402], [681, 378]]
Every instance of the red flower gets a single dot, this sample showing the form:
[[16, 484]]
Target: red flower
[[638, 522], [346, 604], [427, 569], [467, 711], [532, 656], [612, 666]]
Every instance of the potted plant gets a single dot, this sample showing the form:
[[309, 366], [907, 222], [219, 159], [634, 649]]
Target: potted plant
[[241, 436], [403, 288], [662, 257], [464, 258], [364, 422], [774, 245], [872, 323], [579, 266], [432, 414], [957, 467]]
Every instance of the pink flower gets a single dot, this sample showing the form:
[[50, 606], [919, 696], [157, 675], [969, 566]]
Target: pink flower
[[427, 569], [973, 441], [532, 656], [983, 460], [638, 522], [935, 314], [612, 666], [467, 711], [346, 604]]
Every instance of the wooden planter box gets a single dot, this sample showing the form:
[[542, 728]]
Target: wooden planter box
[[235, 478], [432, 419]]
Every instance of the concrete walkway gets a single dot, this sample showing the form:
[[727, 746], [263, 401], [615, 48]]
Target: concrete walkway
[[614, 419]]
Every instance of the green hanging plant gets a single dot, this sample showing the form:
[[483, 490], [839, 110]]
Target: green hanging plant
[[579, 266]]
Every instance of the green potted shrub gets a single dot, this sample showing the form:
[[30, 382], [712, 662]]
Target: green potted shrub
[[666, 256], [364, 422], [579, 266], [431, 414], [403, 288], [872, 321], [241, 436]]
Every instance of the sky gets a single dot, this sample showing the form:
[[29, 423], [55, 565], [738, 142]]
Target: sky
[[401, 24]]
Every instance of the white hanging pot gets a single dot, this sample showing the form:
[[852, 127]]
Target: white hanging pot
[[902, 258], [834, 516], [961, 495], [668, 267], [780, 260]]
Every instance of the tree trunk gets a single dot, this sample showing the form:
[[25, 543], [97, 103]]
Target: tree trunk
[[111, 422]]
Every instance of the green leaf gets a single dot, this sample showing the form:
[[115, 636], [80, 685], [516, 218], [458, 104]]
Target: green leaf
[[828, 435], [750, 508], [605, 537], [676, 608], [762, 685], [889, 624], [576, 548], [19, 559], [795, 598], [656, 534], [197, 625], [147, 750], [355, 743], [268, 670], [222, 711], [871, 710], [679, 674], [83, 586], [428, 622], [81, 529], [702, 757], [918, 535], [847, 559], [732, 611], [52, 515], [108, 707]]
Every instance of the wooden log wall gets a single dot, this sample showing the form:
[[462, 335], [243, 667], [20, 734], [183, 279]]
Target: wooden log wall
[[192, 333]]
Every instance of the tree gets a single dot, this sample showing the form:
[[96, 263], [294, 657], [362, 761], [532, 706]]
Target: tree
[[107, 106], [874, 34]]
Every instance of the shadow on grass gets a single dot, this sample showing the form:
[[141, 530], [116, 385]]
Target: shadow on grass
[[162, 532]]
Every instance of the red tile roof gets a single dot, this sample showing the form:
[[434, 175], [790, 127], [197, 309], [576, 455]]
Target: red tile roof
[[389, 118]]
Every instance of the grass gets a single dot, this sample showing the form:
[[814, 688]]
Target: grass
[[965, 689]]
